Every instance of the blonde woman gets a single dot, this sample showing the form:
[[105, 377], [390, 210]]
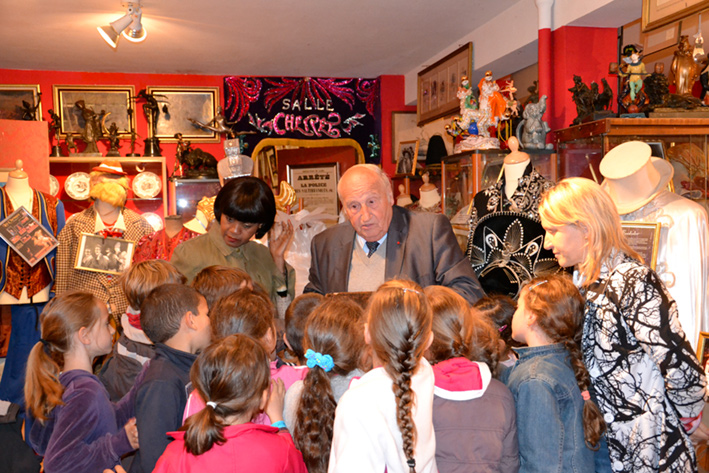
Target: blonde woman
[[645, 377]]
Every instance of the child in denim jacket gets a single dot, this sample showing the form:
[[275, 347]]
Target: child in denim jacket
[[558, 426]]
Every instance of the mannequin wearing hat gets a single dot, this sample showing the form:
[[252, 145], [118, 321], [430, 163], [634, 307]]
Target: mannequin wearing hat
[[26, 288], [637, 183], [107, 217], [509, 209]]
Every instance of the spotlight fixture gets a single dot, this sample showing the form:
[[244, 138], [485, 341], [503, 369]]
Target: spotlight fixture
[[129, 25]]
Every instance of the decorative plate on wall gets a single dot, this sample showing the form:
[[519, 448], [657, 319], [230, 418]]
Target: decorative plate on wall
[[53, 186], [77, 186], [146, 185]]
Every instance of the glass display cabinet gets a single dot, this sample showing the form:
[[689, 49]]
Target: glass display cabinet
[[683, 141]]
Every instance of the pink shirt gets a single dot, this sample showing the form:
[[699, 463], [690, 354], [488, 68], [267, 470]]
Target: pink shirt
[[288, 374]]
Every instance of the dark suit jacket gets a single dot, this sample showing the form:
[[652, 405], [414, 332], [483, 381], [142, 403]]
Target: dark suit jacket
[[420, 247]]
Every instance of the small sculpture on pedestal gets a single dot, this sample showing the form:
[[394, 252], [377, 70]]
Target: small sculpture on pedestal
[[92, 128], [55, 126], [591, 104], [532, 131], [71, 144], [218, 124], [112, 134], [151, 109], [685, 69], [133, 136]]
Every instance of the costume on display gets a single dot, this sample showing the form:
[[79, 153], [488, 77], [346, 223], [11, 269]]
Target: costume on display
[[129, 225], [210, 249], [506, 238], [162, 243], [638, 186], [645, 377], [25, 288], [419, 246], [366, 417]]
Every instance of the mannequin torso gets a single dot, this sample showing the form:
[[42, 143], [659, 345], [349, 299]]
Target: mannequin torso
[[515, 164]]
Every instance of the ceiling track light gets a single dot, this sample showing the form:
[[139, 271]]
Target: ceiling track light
[[129, 24]]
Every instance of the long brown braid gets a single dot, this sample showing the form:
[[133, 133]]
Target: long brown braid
[[334, 328], [559, 310], [399, 325]]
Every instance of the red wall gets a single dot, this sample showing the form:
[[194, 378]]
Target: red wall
[[392, 99], [584, 52]]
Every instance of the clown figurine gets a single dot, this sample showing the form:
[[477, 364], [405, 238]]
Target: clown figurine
[[633, 69], [107, 217]]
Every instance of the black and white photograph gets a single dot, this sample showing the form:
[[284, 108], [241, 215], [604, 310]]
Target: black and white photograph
[[104, 255], [406, 158]]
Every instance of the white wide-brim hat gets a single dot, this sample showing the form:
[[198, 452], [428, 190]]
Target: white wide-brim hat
[[633, 177]]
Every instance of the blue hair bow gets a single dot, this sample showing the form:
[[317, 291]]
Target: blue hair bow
[[318, 359]]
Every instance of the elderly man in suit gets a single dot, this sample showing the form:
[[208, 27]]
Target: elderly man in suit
[[382, 241]]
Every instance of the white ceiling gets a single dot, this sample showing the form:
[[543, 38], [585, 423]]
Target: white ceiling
[[328, 38]]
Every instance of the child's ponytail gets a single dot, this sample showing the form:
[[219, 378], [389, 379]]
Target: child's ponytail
[[231, 375], [204, 429], [334, 342], [399, 319], [559, 310], [61, 318]]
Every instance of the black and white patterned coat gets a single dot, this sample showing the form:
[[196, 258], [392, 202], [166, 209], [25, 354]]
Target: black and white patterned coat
[[644, 374]]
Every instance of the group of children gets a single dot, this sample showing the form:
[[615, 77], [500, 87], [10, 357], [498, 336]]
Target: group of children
[[418, 381]]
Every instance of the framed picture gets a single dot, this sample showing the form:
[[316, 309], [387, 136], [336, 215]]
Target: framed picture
[[20, 102], [104, 255], [437, 85], [657, 13], [406, 158], [26, 236], [114, 104], [403, 128], [179, 106], [703, 348], [316, 184], [644, 238]]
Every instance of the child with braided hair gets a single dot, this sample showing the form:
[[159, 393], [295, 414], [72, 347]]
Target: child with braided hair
[[473, 413], [333, 342], [558, 425], [384, 421], [233, 376]]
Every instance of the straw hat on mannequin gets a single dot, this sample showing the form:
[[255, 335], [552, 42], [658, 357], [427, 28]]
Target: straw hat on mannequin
[[633, 177]]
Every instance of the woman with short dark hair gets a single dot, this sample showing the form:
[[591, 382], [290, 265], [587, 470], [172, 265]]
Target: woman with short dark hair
[[244, 208]]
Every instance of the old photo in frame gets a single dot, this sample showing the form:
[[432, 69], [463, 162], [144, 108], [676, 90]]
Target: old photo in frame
[[115, 101], [182, 104], [104, 254], [26, 236], [657, 13], [406, 158], [11, 98]]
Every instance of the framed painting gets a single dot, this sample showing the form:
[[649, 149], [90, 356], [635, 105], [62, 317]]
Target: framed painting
[[316, 184], [104, 255], [20, 102], [406, 158], [181, 108], [657, 13], [114, 104], [436, 84]]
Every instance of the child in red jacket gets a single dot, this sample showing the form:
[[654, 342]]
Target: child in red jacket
[[233, 376]]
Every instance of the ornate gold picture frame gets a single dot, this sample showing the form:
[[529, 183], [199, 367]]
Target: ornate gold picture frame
[[115, 101]]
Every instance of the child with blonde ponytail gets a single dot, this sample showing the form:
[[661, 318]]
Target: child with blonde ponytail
[[77, 427], [558, 425], [384, 421], [233, 376]]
